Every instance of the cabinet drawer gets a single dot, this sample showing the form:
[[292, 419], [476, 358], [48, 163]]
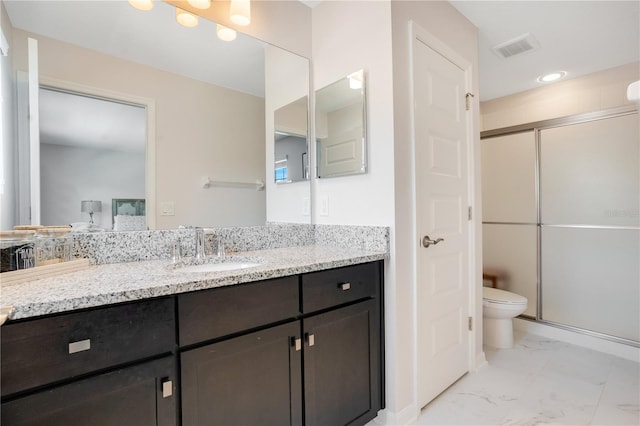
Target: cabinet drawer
[[324, 289], [211, 314], [46, 350]]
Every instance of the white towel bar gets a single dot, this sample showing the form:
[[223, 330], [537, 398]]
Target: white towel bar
[[258, 185]]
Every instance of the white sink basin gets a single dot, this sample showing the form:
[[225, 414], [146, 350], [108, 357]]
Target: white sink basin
[[216, 267]]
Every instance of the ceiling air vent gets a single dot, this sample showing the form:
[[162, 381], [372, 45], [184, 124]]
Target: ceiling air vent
[[516, 46]]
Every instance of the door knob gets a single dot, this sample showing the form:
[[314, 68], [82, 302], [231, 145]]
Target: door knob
[[427, 241]]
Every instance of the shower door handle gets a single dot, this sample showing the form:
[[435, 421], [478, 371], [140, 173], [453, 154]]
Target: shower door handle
[[428, 242]]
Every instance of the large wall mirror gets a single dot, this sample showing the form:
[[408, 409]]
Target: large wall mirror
[[209, 107], [341, 127]]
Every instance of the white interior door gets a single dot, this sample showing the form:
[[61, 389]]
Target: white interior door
[[440, 138]]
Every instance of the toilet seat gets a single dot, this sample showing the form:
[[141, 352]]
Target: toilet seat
[[502, 297]]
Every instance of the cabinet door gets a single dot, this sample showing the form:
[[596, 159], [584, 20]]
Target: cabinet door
[[248, 380], [144, 394], [342, 376]]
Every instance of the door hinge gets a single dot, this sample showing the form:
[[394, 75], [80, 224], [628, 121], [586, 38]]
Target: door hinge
[[470, 323], [470, 213], [467, 100]]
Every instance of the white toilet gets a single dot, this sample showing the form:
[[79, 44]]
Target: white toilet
[[499, 307]]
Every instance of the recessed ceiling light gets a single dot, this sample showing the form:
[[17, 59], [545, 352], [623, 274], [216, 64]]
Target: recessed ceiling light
[[552, 76]]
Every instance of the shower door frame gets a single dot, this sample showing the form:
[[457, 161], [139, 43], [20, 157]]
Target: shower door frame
[[536, 128]]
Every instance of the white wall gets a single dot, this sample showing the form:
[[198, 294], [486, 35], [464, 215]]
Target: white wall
[[7, 181], [360, 38], [594, 92], [195, 136]]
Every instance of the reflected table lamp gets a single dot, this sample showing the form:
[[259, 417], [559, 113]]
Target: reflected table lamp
[[90, 207]]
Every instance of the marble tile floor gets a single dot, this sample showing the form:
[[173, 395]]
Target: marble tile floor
[[542, 381]]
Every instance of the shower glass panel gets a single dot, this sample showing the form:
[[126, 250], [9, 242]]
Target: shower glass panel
[[590, 225], [509, 211], [590, 279], [510, 253], [590, 173], [509, 179]]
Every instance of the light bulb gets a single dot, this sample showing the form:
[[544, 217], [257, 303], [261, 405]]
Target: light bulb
[[225, 33], [142, 4], [200, 4], [240, 12], [185, 18], [552, 76]]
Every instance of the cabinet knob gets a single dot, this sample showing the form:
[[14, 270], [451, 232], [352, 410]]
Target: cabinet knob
[[345, 286], [79, 346], [311, 339], [167, 388], [297, 343]]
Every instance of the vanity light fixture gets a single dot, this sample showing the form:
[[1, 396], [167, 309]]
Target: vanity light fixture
[[240, 12], [552, 76], [355, 80], [225, 33], [142, 4], [200, 4], [186, 19]]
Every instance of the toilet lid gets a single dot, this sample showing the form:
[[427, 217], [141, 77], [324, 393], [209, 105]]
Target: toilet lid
[[501, 296]]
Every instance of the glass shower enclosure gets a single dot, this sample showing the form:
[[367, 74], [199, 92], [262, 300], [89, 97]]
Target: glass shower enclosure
[[561, 220]]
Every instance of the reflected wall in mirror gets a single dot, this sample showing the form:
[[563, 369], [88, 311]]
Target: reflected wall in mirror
[[211, 108], [291, 162], [341, 127]]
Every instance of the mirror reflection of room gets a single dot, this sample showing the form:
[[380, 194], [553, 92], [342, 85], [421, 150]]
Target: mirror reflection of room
[[291, 162], [92, 150], [205, 109], [341, 127]]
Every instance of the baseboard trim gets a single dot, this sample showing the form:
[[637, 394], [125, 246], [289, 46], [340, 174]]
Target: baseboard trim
[[579, 339], [480, 361], [407, 416]]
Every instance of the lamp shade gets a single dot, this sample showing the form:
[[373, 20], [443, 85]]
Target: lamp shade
[[90, 206]]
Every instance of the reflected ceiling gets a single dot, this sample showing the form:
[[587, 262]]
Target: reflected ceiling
[[151, 38]]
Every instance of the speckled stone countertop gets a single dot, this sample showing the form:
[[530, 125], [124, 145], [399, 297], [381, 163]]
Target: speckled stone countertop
[[121, 282]]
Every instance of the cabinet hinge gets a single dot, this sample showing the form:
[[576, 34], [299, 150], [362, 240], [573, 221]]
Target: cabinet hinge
[[467, 100], [470, 324], [470, 213]]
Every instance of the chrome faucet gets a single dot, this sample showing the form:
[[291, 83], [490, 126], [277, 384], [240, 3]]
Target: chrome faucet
[[200, 244]]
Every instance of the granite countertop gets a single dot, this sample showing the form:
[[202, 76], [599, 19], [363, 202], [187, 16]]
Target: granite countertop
[[122, 282]]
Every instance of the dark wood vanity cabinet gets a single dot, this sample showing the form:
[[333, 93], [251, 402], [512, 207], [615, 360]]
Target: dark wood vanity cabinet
[[298, 350], [321, 362], [106, 366], [143, 394], [342, 375], [254, 379]]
